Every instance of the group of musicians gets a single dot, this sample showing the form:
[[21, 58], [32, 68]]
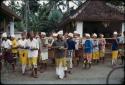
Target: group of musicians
[[33, 50]]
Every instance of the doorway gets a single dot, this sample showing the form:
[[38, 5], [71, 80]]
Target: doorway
[[97, 27]]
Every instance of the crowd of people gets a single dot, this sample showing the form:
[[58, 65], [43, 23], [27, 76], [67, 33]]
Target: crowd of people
[[33, 50]]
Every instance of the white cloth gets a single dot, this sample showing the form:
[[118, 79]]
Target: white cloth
[[43, 33], [44, 55], [77, 40], [44, 48], [60, 72], [4, 34], [70, 34], [83, 41], [43, 41], [32, 44], [76, 32], [23, 68], [60, 32], [6, 44], [38, 42], [121, 39]]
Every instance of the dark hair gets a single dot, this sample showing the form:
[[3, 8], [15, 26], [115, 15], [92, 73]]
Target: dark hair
[[59, 38], [28, 34], [124, 33]]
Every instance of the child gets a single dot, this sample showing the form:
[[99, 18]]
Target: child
[[77, 50], [95, 49], [88, 51], [114, 49], [14, 51], [6, 45], [70, 51], [102, 43]]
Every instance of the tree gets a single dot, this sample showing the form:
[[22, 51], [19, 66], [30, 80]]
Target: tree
[[116, 2], [44, 17], [34, 5]]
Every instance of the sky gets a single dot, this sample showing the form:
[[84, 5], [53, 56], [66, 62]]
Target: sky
[[71, 4]]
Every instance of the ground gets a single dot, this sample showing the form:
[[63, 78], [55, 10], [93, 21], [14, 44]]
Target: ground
[[96, 75]]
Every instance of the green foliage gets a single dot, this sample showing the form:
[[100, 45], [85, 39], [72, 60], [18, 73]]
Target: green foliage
[[34, 5], [55, 16], [116, 2], [46, 19]]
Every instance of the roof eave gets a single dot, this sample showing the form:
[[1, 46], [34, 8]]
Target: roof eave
[[9, 12]]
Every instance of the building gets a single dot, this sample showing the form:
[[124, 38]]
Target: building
[[7, 19], [94, 16]]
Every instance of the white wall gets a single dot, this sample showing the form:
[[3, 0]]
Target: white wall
[[11, 28], [79, 28], [123, 27]]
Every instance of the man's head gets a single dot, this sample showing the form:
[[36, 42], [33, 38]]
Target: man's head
[[23, 35], [101, 35], [43, 34], [87, 35], [54, 35], [60, 35], [31, 35], [66, 35], [76, 33], [70, 35], [115, 34], [94, 35], [12, 37]]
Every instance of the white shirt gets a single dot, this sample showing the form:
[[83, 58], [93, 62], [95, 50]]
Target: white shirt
[[95, 42], [44, 41], [6, 44], [32, 44], [77, 40], [22, 42], [83, 41]]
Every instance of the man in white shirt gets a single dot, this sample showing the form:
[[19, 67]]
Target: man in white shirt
[[33, 46], [6, 45], [23, 52], [43, 52]]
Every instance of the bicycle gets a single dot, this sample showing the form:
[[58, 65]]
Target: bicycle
[[111, 73]]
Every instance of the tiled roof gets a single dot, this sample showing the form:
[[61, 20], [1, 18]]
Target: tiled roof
[[8, 12], [95, 10]]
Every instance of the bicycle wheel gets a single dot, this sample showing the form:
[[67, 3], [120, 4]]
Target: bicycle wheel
[[116, 76]]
